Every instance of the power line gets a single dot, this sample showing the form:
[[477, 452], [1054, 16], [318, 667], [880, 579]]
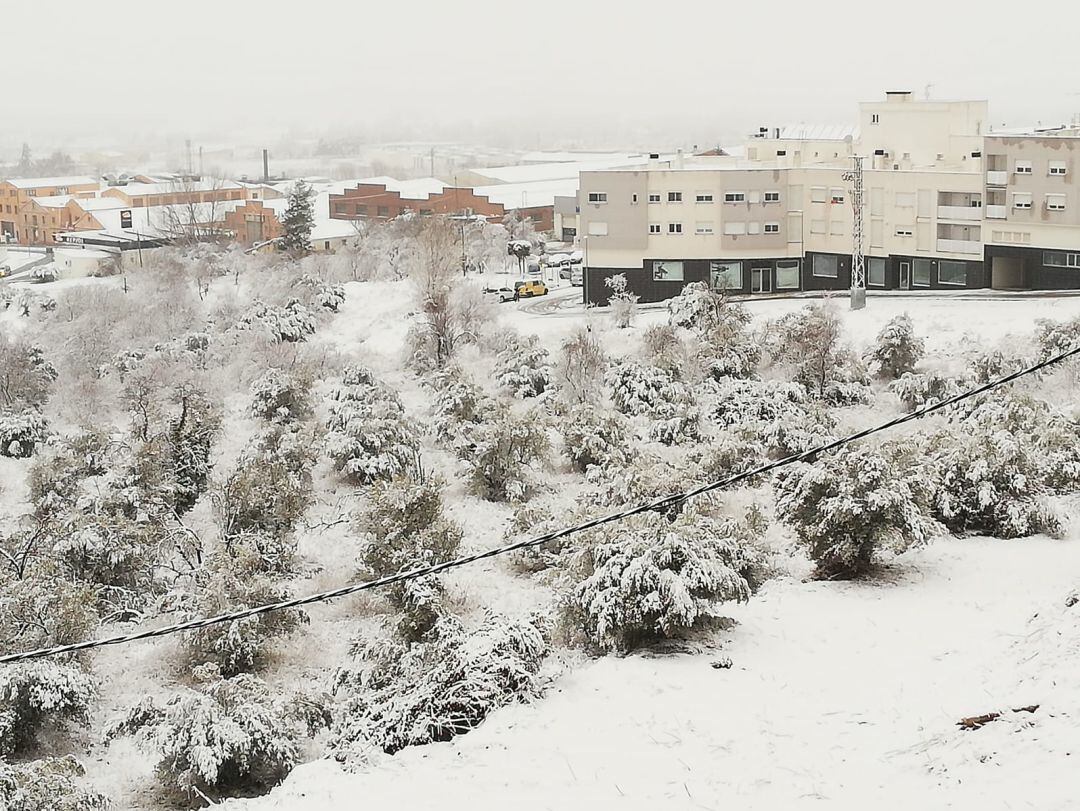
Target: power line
[[651, 506]]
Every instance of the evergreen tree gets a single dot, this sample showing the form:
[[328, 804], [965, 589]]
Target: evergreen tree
[[299, 219]]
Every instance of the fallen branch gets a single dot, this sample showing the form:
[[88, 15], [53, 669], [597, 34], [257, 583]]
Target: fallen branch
[[979, 721]]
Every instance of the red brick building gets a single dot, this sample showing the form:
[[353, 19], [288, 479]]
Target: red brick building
[[253, 223]]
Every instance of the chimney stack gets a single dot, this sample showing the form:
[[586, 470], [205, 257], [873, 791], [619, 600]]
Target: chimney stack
[[266, 166]]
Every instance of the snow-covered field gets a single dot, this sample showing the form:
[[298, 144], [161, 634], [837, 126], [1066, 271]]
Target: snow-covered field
[[841, 695]]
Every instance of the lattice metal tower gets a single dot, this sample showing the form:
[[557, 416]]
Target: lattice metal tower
[[858, 262]]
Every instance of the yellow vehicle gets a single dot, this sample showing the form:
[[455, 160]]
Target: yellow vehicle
[[530, 288]]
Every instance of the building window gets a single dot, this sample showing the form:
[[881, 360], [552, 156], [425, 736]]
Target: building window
[[1055, 202], [326, 246], [734, 229], [654, 198], [598, 197], [920, 272], [1022, 200], [1060, 259], [734, 197], [817, 226], [787, 274], [654, 228], [875, 272], [818, 194], [772, 197], [905, 199], [904, 231], [1023, 167], [383, 211], [633, 199], [597, 229], [703, 228], [674, 196], [836, 228], [875, 118], [1058, 168], [772, 228], [674, 227], [836, 196], [703, 197], [753, 228], [826, 266], [726, 275], [952, 273], [667, 271]]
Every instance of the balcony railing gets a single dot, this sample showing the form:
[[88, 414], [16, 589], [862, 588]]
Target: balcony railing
[[997, 212], [970, 213], [997, 178], [959, 246]]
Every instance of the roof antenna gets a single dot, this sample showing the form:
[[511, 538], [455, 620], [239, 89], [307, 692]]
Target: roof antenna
[[926, 91]]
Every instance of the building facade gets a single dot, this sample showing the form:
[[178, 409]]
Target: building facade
[[24, 220], [945, 207]]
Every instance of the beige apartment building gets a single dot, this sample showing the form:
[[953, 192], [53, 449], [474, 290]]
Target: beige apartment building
[[944, 208]]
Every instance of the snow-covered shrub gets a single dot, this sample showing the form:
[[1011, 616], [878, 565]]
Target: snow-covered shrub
[[288, 324], [226, 585], [729, 453], [737, 358], [369, 437], [504, 451], [278, 395], [850, 506], [811, 342], [21, 433], [675, 423], [524, 366], [124, 362], [593, 436], [662, 347], [224, 737], [991, 365], [457, 400], [1056, 337], [649, 577], [802, 431], [267, 493], [696, 307], [322, 294], [748, 401], [915, 389], [580, 370], [39, 693], [398, 695], [25, 374], [643, 479], [638, 388], [623, 303], [847, 393], [536, 518], [52, 784], [990, 482], [40, 609], [896, 350]]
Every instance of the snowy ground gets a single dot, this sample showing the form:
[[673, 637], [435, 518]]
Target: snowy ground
[[842, 695]]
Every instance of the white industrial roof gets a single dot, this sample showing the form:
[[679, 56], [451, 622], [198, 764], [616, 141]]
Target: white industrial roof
[[528, 195], [561, 170], [44, 182], [59, 201], [141, 189]]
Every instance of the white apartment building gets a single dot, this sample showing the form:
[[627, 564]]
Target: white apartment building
[[780, 219]]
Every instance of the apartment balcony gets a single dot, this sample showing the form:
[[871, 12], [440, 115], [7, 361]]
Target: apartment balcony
[[997, 212], [959, 246], [965, 213], [997, 178]]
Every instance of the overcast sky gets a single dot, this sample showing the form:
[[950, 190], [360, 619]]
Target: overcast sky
[[265, 68]]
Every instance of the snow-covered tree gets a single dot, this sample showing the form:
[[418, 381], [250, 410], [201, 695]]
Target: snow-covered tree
[[989, 366], [696, 308], [224, 737], [25, 374], [21, 433], [728, 453], [662, 347], [52, 783], [1054, 337], [523, 366], [298, 220], [369, 436], [851, 506], [505, 450], [638, 388], [458, 401], [398, 695], [623, 303], [811, 342], [580, 370], [280, 396], [593, 436], [650, 577], [897, 349], [675, 423], [917, 389], [322, 294], [36, 694], [290, 323]]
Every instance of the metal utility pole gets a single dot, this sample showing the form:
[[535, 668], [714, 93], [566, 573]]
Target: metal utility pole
[[858, 262]]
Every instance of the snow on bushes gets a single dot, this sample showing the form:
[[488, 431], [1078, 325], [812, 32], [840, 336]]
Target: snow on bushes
[[623, 303], [398, 695], [290, 323], [580, 369], [650, 577], [723, 343], [728, 453], [811, 343], [696, 307], [780, 414], [280, 396], [523, 366], [322, 294], [638, 388], [25, 374], [918, 389], [1056, 337], [369, 437], [851, 506], [224, 737], [21, 433], [505, 450], [593, 436], [39, 693], [896, 350], [52, 784]]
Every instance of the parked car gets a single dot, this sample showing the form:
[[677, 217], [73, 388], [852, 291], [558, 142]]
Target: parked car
[[533, 269], [566, 272], [575, 276], [530, 288], [501, 293]]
